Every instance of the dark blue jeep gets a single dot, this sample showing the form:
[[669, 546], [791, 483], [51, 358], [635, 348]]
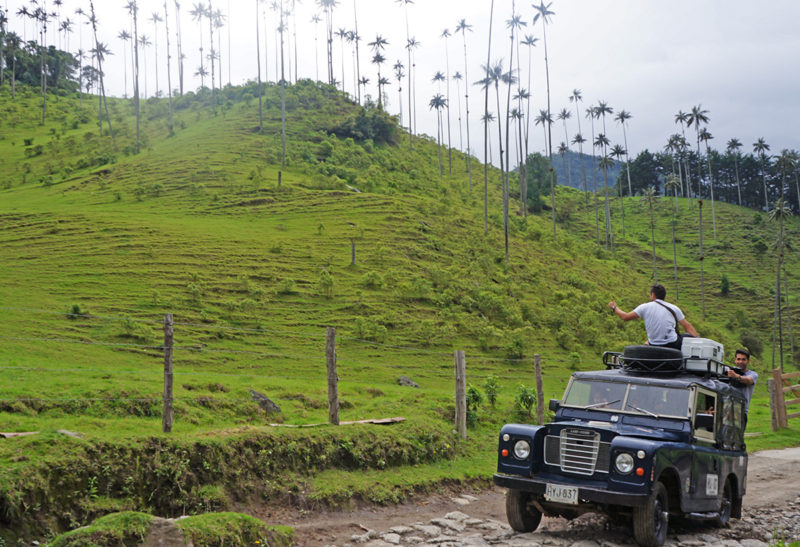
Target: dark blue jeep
[[633, 442]]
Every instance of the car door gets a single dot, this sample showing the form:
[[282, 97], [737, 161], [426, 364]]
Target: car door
[[704, 490]]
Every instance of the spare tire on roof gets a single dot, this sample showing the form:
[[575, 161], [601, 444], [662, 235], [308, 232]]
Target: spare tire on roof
[[652, 359]]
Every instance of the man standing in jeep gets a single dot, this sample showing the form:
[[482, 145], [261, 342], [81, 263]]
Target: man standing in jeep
[[661, 319], [743, 379]]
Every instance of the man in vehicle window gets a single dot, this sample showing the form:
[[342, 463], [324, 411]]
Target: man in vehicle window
[[661, 318], [742, 378]]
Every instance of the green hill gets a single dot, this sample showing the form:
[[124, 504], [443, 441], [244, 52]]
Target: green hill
[[358, 232]]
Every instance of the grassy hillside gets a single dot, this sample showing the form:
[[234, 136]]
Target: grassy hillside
[[98, 242]]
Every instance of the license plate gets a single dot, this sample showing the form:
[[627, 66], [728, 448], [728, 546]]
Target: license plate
[[561, 494]]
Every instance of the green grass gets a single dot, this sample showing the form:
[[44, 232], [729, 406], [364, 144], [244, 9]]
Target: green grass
[[197, 226]]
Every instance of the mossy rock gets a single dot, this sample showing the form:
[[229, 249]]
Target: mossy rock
[[133, 529]]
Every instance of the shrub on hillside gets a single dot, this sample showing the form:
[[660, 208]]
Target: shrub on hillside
[[369, 329], [369, 123], [524, 402]]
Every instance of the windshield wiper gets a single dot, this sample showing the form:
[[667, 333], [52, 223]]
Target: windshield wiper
[[653, 414], [602, 403]]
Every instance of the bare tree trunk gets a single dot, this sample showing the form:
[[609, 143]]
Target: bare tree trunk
[[702, 286], [169, 69], [485, 126], [258, 60]]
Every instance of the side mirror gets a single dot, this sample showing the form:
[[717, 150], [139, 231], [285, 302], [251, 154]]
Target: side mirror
[[554, 404]]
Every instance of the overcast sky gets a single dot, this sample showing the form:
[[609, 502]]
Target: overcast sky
[[739, 60]]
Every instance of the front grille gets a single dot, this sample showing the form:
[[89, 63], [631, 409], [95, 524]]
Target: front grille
[[577, 451]]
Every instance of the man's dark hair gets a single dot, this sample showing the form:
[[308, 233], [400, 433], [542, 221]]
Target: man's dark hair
[[743, 351], [659, 291]]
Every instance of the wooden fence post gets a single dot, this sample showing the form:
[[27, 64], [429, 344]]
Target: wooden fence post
[[780, 404], [166, 424], [461, 393], [537, 363], [333, 379], [773, 408]]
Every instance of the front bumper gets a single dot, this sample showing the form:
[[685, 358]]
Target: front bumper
[[585, 494]]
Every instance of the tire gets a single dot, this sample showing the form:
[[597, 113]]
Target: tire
[[727, 504], [521, 514], [652, 358], [650, 521]]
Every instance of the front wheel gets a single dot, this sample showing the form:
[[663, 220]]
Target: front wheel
[[650, 520], [522, 515]]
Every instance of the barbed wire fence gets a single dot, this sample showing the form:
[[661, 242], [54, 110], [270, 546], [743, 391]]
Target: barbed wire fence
[[168, 349]]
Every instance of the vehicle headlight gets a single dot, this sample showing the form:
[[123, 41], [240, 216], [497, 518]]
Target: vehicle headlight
[[522, 449], [624, 463]]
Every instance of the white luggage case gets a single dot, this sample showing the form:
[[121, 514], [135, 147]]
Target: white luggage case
[[703, 355]]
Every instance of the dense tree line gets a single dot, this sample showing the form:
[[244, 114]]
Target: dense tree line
[[23, 64], [733, 174]]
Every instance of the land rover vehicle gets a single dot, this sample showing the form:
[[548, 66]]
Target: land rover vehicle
[[641, 440]]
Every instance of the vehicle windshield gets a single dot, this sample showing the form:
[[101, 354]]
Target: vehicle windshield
[[621, 396]]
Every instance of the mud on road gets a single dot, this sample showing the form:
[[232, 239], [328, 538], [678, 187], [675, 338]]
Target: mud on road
[[771, 513]]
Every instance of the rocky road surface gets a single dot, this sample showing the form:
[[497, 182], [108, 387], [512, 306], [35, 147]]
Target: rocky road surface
[[771, 514]]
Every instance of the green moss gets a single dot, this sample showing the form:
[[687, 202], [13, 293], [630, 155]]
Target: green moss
[[221, 529], [128, 528]]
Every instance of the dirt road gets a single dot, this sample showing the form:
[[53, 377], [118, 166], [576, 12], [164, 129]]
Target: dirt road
[[773, 490]]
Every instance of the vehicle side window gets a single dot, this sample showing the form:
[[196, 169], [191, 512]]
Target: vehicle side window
[[732, 431], [704, 415]]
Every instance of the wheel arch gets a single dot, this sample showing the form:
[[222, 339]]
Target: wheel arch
[[672, 482]]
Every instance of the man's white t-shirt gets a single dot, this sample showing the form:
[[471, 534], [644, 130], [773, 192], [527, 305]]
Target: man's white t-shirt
[[659, 322]]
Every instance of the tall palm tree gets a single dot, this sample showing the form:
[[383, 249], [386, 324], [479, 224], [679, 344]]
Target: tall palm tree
[[530, 42], [564, 115], [519, 116], [779, 214], [169, 68], [100, 50], [144, 43], [258, 62], [327, 7], [411, 45], [591, 113], [649, 198], [760, 148], [458, 77], [281, 30], [3, 23], [697, 117], [156, 18], [494, 75], [485, 121], [673, 183], [446, 34], [577, 97], [463, 28], [377, 48], [514, 24], [399, 74], [125, 36], [438, 102], [133, 10], [622, 117], [412, 107], [198, 13], [544, 14], [579, 140], [341, 34], [212, 53], [218, 20], [315, 19], [179, 44], [733, 147], [617, 152], [682, 118], [605, 164], [705, 136], [356, 40]]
